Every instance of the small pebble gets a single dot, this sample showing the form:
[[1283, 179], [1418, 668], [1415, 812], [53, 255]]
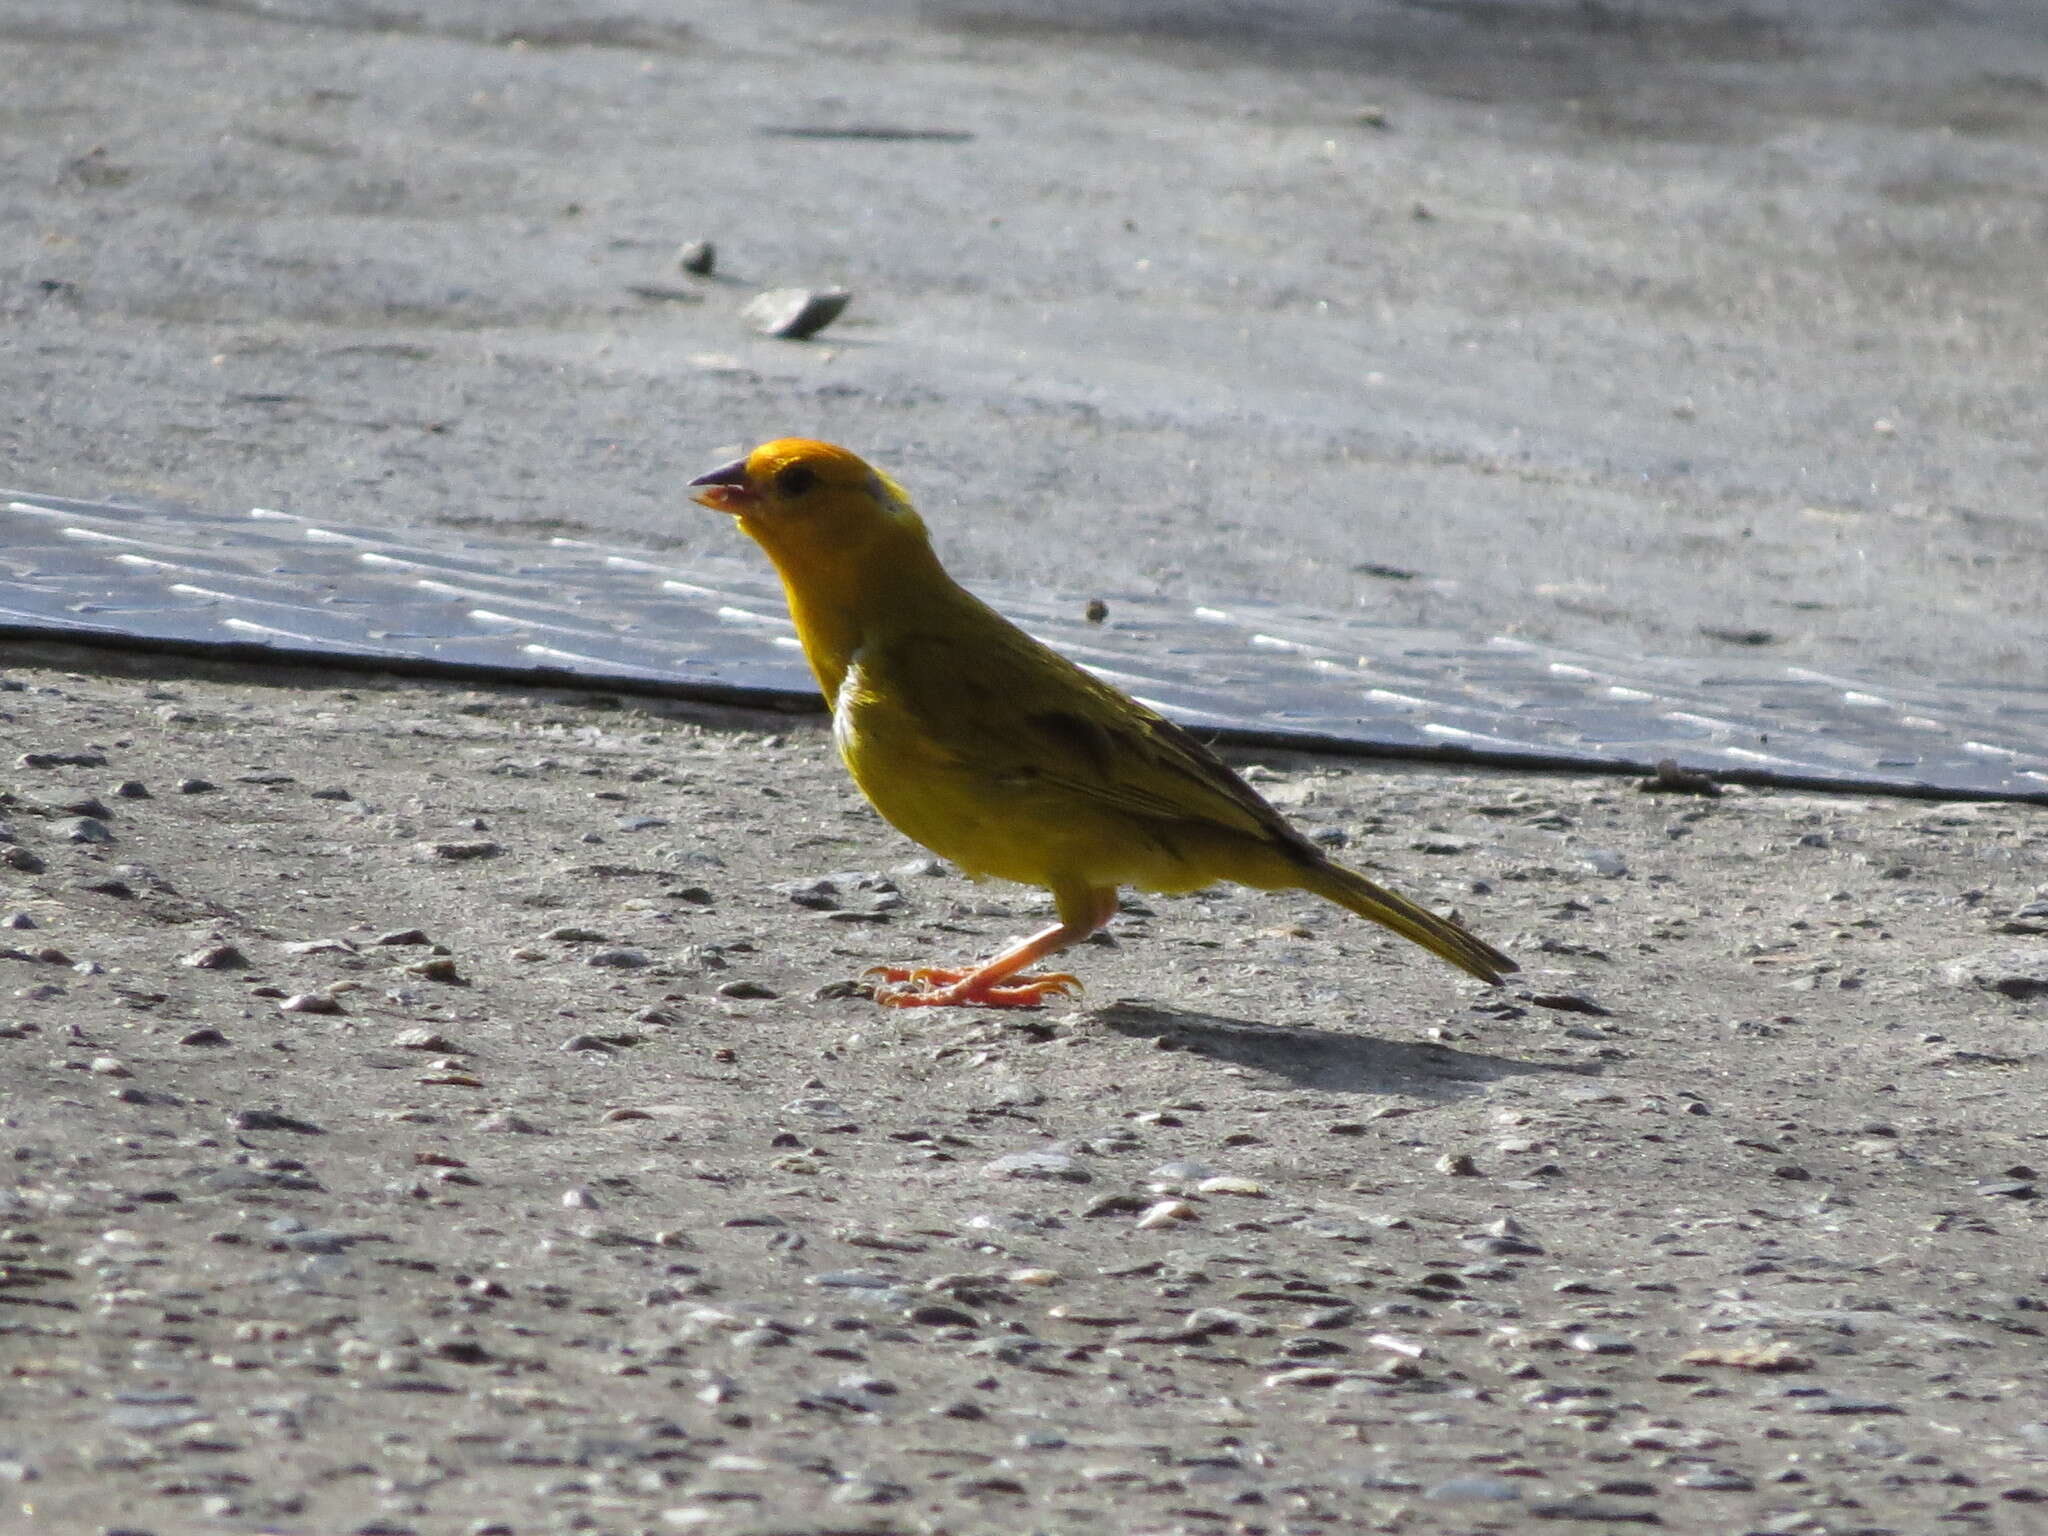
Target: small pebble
[[1166, 1213], [853, 1280], [795, 313], [1715, 1480], [1601, 1344], [273, 1120], [459, 852], [2011, 1189], [1477, 1489], [318, 947], [817, 1107], [1037, 1165], [1831, 1403], [2012, 971], [506, 1121], [1582, 1507], [1669, 778], [1398, 1344]]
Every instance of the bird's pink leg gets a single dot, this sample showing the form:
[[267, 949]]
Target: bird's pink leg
[[1003, 981]]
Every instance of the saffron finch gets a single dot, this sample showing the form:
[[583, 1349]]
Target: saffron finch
[[1000, 754]]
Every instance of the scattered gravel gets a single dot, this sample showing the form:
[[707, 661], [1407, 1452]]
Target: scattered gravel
[[1728, 1219]]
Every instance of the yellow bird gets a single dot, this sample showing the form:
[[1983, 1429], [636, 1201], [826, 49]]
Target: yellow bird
[[1000, 754]]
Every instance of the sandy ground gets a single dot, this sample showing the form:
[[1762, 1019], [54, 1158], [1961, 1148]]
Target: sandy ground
[[443, 1111]]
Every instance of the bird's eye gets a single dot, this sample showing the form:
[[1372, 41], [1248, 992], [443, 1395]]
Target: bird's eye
[[795, 479]]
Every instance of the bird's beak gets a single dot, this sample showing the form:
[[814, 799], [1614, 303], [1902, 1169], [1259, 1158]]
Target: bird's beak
[[725, 489]]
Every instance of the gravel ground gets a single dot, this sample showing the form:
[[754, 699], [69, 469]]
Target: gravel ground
[[452, 1111]]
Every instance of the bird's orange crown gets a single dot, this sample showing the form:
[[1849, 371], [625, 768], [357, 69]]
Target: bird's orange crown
[[801, 476]]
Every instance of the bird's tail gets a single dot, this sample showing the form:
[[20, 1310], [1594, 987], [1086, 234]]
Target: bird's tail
[[1439, 935]]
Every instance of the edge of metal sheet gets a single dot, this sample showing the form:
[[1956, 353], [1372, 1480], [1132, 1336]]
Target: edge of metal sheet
[[285, 588]]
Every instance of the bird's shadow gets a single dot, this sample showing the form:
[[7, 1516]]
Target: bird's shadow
[[1313, 1058]]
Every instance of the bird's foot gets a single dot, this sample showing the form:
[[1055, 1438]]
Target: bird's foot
[[901, 986]]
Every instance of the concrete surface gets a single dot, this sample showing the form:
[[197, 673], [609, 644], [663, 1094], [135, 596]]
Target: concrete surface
[[1629, 325]]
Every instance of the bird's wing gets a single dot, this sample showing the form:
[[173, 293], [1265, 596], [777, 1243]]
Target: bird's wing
[[1000, 704]]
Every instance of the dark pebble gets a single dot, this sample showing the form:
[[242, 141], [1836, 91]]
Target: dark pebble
[[932, 1314], [460, 852], [1583, 1508], [2010, 1189], [1716, 1480], [272, 1120]]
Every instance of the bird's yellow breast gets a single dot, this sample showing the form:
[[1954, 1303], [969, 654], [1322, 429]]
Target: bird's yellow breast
[[1011, 828]]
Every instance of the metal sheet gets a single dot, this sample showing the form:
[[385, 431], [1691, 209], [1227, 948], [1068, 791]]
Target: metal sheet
[[275, 584]]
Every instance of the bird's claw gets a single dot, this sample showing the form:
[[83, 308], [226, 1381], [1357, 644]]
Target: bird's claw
[[901, 986]]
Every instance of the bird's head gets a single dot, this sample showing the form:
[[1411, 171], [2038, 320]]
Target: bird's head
[[797, 495]]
